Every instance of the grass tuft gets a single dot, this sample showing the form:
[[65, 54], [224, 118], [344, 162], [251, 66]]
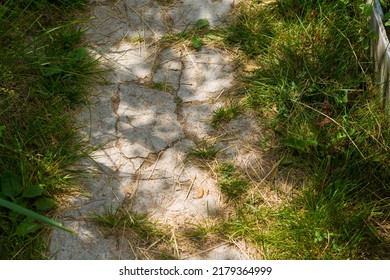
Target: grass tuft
[[162, 86], [230, 181], [205, 151], [225, 114], [138, 228]]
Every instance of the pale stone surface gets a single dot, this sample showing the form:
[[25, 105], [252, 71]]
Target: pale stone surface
[[242, 148], [223, 252], [168, 189], [206, 74], [131, 62], [109, 25], [169, 70], [143, 134], [147, 121], [197, 118], [99, 130], [88, 244]]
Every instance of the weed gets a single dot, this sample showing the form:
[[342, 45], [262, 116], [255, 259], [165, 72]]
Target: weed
[[230, 181], [197, 233], [386, 19], [194, 35], [121, 217], [205, 151], [137, 227], [162, 86], [225, 114], [178, 101], [132, 40], [252, 30]]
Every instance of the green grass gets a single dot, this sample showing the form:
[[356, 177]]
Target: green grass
[[198, 233], [226, 113], [204, 151], [162, 86], [252, 30], [313, 225], [385, 5], [314, 87], [230, 181], [139, 224], [45, 72], [139, 230]]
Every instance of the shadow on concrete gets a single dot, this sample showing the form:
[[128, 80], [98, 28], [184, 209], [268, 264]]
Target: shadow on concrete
[[142, 139]]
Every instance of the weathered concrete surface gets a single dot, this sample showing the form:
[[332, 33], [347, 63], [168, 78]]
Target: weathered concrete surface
[[145, 134], [207, 73]]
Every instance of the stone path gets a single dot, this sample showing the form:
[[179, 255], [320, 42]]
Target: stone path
[[145, 133]]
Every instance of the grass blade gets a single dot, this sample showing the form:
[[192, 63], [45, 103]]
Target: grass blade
[[32, 214]]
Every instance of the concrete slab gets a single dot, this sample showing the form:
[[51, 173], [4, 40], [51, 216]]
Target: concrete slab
[[108, 25], [147, 122], [206, 74], [132, 62], [144, 134], [176, 183], [169, 69], [88, 244]]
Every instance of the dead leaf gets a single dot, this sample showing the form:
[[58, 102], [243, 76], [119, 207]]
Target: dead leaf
[[200, 193]]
